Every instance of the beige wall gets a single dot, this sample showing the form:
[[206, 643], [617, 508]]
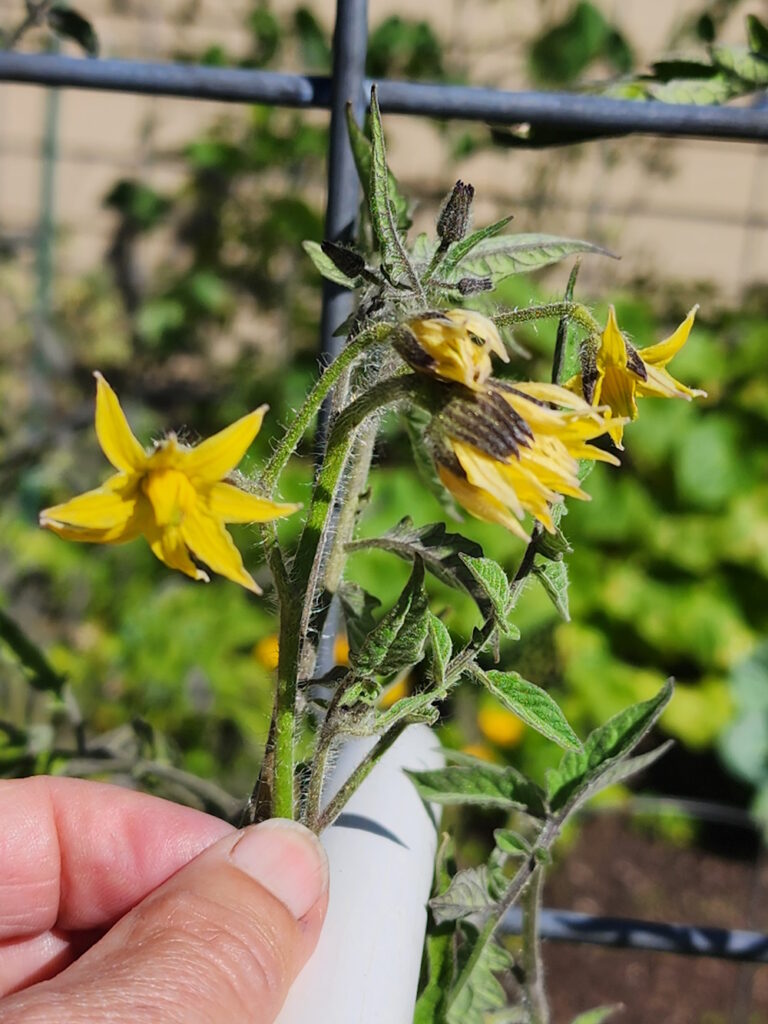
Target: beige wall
[[706, 217]]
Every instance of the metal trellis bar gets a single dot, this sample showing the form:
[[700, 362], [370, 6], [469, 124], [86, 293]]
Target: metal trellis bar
[[469, 103]]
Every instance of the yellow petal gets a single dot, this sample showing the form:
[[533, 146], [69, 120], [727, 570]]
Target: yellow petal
[[613, 351], [211, 543], [115, 436], [231, 505], [480, 503], [661, 384], [100, 509], [214, 458], [661, 353], [482, 327], [618, 392], [168, 545]]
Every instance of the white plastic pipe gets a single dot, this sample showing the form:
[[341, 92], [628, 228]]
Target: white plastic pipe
[[365, 969]]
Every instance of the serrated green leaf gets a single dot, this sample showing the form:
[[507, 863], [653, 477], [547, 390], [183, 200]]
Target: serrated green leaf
[[327, 267], [757, 35], [440, 551], [624, 769], [701, 92], [553, 576], [481, 993], [749, 67], [498, 258], [383, 214], [511, 842], [481, 784], [493, 580], [398, 640], [532, 704], [358, 607], [459, 250], [598, 1015], [363, 155], [468, 894], [438, 968], [70, 24], [441, 646], [603, 748]]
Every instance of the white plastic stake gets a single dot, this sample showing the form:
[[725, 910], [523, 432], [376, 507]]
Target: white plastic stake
[[365, 969]]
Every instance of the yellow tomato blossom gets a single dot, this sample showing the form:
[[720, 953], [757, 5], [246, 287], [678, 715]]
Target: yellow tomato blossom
[[481, 751], [454, 345], [499, 725], [620, 373], [267, 651], [174, 495], [395, 692], [543, 467]]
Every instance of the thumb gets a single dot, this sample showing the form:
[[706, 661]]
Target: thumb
[[221, 940]]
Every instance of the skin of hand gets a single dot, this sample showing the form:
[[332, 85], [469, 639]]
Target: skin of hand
[[122, 908]]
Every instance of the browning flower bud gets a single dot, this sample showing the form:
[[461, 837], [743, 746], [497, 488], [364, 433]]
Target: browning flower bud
[[453, 221]]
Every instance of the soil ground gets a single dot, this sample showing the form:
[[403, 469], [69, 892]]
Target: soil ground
[[614, 869]]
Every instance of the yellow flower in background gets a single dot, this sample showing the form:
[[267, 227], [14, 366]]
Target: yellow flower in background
[[499, 726], [174, 495], [395, 692], [621, 373], [267, 651], [542, 468], [481, 751], [454, 345]]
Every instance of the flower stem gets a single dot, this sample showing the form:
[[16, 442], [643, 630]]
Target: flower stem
[[371, 336], [572, 310]]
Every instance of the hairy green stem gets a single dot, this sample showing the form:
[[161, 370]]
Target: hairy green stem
[[371, 336], [358, 776], [533, 966], [572, 310]]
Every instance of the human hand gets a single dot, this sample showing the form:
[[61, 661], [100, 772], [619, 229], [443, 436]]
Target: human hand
[[121, 907]]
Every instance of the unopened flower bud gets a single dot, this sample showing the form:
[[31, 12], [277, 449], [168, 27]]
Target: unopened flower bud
[[453, 221]]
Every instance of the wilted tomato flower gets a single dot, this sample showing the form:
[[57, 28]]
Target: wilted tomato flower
[[174, 495], [453, 345], [515, 450], [615, 374]]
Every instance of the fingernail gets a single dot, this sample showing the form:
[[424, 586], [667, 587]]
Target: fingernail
[[287, 859]]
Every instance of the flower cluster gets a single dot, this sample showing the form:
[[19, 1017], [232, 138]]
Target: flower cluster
[[504, 450], [176, 496]]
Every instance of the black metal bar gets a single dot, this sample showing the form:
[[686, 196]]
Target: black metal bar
[[577, 112], [627, 933], [350, 46]]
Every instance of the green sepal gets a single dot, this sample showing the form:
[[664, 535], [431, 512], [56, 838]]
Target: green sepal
[[578, 773], [382, 206], [459, 250], [532, 704]]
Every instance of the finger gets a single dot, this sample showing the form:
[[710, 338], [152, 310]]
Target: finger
[[77, 855], [220, 941]]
